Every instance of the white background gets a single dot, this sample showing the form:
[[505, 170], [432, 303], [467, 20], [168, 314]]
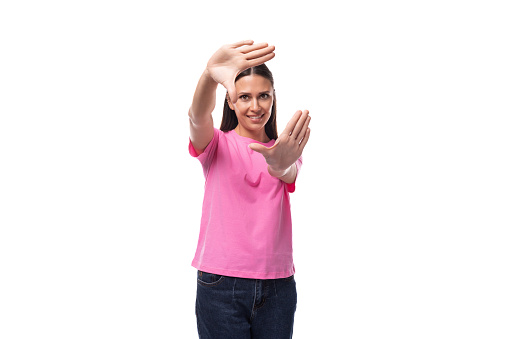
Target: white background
[[401, 210]]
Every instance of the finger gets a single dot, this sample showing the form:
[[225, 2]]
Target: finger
[[250, 48], [258, 148], [242, 43], [258, 53], [306, 138], [291, 124], [261, 60], [304, 128], [273, 146], [232, 91], [300, 124]]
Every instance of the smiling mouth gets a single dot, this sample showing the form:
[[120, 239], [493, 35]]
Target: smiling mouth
[[255, 117]]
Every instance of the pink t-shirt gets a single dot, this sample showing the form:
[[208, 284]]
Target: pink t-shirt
[[246, 225]]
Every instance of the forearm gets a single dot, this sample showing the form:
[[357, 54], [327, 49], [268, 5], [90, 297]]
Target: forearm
[[204, 99], [288, 175], [200, 113]]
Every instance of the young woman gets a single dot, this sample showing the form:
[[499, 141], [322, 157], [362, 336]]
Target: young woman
[[246, 287]]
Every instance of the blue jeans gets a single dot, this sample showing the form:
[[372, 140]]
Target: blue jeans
[[238, 308]]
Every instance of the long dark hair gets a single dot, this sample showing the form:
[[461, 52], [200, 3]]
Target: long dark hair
[[230, 121]]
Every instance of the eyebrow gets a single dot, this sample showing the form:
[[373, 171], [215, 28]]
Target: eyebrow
[[243, 93]]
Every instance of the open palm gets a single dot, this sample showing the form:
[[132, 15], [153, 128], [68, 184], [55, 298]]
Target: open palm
[[288, 146], [230, 60]]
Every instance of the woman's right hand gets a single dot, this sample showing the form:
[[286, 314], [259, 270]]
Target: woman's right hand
[[230, 60]]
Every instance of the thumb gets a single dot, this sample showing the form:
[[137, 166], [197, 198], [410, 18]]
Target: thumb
[[232, 92], [258, 148]]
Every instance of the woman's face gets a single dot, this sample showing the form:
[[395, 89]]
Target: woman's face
[[254, 104]]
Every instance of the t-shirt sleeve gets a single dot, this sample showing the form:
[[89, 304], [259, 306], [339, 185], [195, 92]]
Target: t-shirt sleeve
[[208, 153], [291, 187]]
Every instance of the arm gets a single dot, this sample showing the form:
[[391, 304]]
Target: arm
[[289, 175], [281, 157], [200, 113], [222, 68]]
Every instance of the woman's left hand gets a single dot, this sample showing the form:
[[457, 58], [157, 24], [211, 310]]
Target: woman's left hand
[[288, 147]]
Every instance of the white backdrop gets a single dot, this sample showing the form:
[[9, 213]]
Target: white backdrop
[[401, 209]]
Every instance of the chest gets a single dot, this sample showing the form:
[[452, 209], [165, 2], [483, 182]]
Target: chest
[[242, 168]]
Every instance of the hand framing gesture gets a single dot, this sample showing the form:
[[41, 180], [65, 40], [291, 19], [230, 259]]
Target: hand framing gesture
[[230, 60], [288, 147]]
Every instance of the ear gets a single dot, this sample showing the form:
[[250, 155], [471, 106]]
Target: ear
[[229, 101]]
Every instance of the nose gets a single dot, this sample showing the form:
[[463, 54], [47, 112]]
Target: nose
[[254, 105]]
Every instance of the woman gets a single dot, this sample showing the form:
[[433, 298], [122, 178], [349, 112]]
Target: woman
[[244, 257]]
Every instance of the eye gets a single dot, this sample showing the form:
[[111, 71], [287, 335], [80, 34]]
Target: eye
[[244, 97], [264, 96]]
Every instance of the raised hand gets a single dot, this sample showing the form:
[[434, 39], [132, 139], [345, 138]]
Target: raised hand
[[230, 60], [288, 147]]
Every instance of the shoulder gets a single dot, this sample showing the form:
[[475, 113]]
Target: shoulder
[[211, 146]]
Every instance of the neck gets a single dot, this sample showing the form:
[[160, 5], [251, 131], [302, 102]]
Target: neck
[[260, 136]]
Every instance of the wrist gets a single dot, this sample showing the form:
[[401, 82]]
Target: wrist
[[278, 173], [207, 75]]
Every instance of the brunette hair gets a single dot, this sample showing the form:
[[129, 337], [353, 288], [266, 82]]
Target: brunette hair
[[230, 121]]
